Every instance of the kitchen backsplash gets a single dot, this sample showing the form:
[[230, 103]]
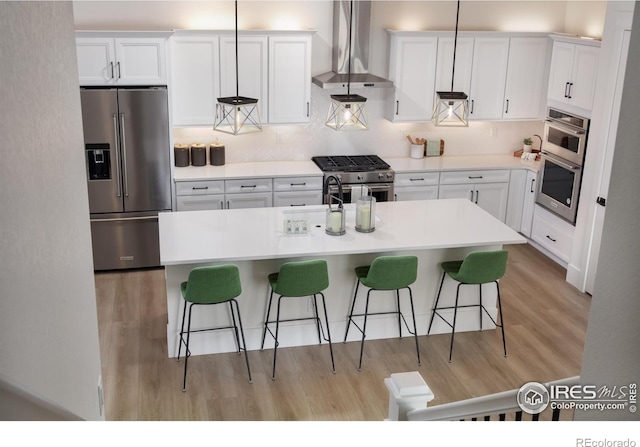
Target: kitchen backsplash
[[386, 139]]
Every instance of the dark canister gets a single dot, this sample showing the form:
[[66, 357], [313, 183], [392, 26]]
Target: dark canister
[[216, 154], [198, 154], [181, 155]]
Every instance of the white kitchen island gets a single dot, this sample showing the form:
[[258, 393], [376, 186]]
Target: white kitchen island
[[254, 239]]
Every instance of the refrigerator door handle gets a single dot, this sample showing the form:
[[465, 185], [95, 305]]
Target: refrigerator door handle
[[119, 219], [124, 156], [118, 177]]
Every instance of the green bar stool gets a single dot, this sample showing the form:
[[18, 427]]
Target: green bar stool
[[298, 279], [386, 273], [477, 268], [212, 285]]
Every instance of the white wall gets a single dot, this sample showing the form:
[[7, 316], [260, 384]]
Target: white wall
[[383, 138], [611, 355], [48, 319]]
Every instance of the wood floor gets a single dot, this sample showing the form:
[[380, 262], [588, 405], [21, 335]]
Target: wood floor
[[545, 321]]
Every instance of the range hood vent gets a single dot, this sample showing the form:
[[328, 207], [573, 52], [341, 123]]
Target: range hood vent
[[360, 76]]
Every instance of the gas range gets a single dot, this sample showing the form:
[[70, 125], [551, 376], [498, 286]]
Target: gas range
[[355, 168]]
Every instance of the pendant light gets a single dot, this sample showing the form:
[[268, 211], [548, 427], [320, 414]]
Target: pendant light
[[451, 109], [347, 112], [237, 114]]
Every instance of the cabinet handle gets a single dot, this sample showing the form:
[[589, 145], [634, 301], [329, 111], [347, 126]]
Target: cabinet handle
[[125, 172], [118, 173], [119, 76], [570, 88], [477, 196], [471, 195], [397, 107], [199, 187], [507, 109], [566, 87], [307, 108], [228, 205], [298, 184], [111, 63], [247, 186], [550, 238], [472, 104], [222, 204], [475, 176], [532, 182], [395, 197], [416, 179], [298, 204]]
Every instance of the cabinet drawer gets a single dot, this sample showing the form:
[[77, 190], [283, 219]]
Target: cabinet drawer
[[294, 198], [248, 185], [297, 183], [485, 176], [417, 179], [552, 233], [200, 202], [200, 188]]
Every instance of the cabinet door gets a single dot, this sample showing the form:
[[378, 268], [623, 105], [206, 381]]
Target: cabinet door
[[416, 193], [200, 202], [289, 79], [560, 71], [524, 91], [490, 57], [252, 69], [492, 197], [583, 80], [249, 200], [195, 83], [140, 61], [297, 198], [444, 66], [528, 206], [515, 201], [96, 59], [412, 68], [456, 192]]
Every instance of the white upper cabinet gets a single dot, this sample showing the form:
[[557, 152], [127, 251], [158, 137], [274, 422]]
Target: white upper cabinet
[[289, 78], [488, 77], [195, 79], [107, 60], [412, 68], [527, 70], [464, 64], [252, 68], [572, 76]]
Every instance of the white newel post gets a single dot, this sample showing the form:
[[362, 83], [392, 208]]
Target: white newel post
[[407, 391]]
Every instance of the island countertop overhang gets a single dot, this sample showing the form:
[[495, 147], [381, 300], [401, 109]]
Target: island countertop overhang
[[196, 237]]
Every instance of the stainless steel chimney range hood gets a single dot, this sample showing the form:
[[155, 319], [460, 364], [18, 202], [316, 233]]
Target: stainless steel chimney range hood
[[360, 76]]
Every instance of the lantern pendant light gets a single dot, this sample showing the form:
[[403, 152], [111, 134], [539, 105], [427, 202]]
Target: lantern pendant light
[[451, 109], [237, 114], [347, 112]]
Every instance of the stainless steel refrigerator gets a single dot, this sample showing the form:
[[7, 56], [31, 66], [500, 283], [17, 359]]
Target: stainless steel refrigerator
[[126, 134]]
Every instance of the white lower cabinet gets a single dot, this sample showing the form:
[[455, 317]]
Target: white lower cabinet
[[416, 186], [297, 191], [529, 203], [552, 233], [488, 189], [249, 200], [200, 195]]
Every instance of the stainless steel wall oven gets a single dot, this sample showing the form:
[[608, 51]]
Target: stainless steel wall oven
[[563, 151]]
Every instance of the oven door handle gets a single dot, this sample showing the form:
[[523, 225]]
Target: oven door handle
[[384, 187], [559, 161], [556, 125]]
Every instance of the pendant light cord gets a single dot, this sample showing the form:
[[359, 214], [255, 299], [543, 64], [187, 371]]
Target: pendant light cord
[[237, 89], [455, 44], [349, 53]]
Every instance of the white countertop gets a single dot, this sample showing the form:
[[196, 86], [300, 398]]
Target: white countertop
[[300, 168], [251, 234], [307, 168], [460, 162]]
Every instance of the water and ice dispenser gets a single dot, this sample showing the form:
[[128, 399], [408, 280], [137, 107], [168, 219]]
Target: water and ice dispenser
[[98, 161]]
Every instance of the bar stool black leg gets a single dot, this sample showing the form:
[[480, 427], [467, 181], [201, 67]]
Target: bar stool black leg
[[275, 348], [326, 321], [504, 342], [187, 353], [184, 314], [415, 327], [244, 343], [398, 309], [435, 306], [235, 326], [353, 304], [315, 313], [455, 314], [266, 321], [481, 307], [364, 330]]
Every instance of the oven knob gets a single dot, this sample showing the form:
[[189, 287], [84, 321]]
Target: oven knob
[[381, 175], [389, 175], [339, 177], [359, 176]]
